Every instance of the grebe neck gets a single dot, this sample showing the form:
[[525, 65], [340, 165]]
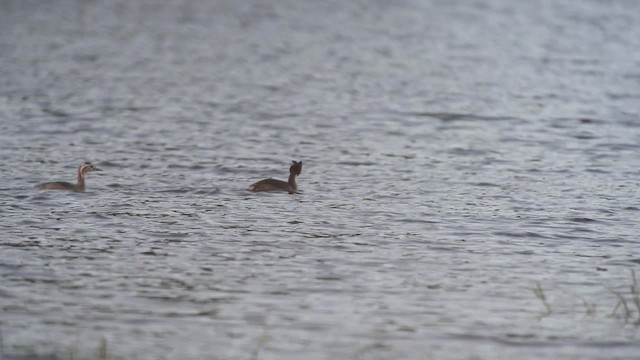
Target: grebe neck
[[81, 171], [292, 181]]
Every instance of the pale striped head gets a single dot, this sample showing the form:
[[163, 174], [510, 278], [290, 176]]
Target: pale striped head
[[87, 166]]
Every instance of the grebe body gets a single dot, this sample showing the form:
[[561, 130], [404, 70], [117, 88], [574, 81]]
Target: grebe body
[[278, 185], [83, 169]]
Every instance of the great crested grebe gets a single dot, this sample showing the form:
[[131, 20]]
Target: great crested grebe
[[279, 185], [84, 168]]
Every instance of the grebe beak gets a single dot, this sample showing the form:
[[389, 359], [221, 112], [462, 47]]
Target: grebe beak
[[96, 169]]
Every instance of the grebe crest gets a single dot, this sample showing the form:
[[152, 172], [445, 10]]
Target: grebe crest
[[289, 186], [83, 169]]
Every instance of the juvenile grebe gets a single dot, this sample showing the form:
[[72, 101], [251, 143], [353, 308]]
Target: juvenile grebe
[[279, 185], [84, 168]]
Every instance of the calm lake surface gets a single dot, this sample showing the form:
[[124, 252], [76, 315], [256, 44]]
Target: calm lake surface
[[470, 186]]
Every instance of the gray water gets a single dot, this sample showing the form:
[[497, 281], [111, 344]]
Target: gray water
[[459, 157]]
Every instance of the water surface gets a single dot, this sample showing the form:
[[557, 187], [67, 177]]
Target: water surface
[[456, 157]]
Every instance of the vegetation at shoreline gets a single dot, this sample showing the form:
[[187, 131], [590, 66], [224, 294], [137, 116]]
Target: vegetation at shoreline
[[627, 308]]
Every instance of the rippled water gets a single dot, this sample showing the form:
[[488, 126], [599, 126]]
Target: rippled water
[[459, 157]]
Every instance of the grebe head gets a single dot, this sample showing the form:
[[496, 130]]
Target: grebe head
[[296, 168], [87, 166]]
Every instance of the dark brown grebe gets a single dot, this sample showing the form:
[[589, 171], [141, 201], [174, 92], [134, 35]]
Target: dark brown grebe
[[279, 185], [84, 168]]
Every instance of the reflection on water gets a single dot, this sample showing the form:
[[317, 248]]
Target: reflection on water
[[470, 183]]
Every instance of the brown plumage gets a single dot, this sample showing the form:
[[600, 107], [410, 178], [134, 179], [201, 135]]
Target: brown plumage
[[83, 169], [279, 185]]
